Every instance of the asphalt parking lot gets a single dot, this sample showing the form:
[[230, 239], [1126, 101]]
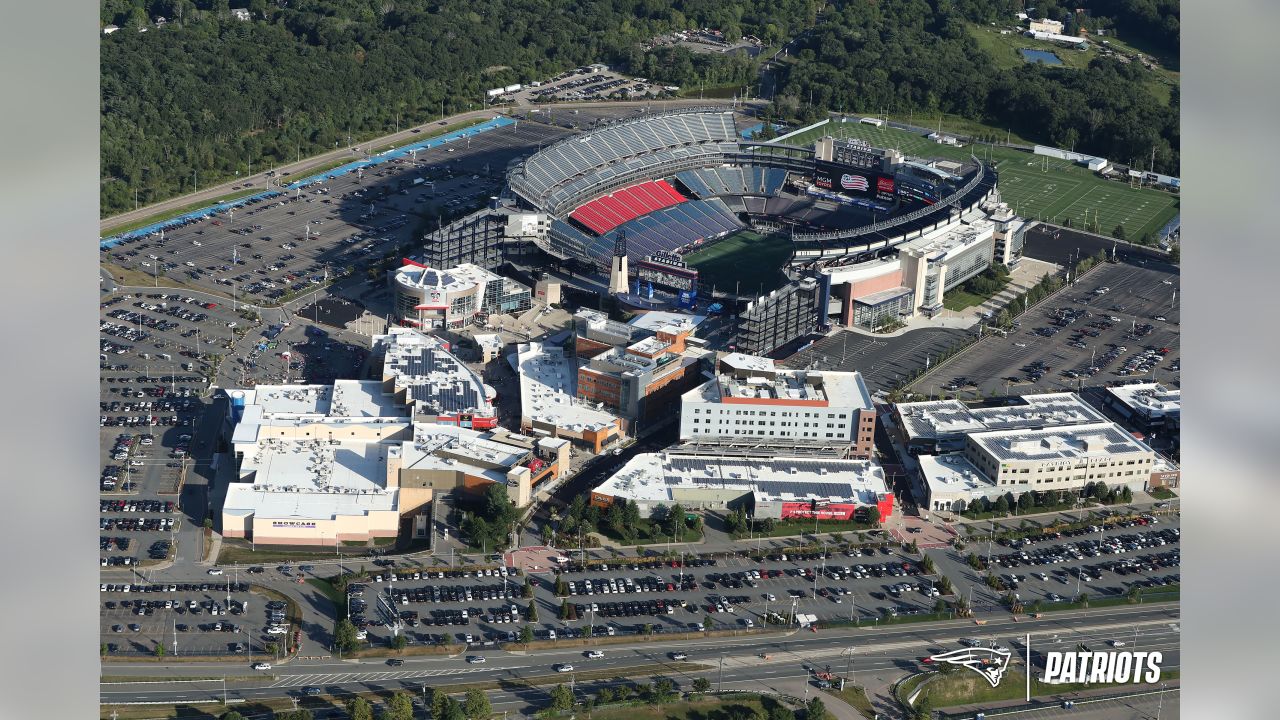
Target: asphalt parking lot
[[883, 362], [206, 618], [1099, 561], [156, 351], [289, 244], [1069, 335]]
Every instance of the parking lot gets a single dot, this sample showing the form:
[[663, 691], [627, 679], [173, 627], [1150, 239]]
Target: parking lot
[[883, 362], [218, 617], [1100, 561], [156, 353], [271, 249], [585, 83], [1119, 323]]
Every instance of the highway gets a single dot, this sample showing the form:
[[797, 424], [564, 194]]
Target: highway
[[895, 648]]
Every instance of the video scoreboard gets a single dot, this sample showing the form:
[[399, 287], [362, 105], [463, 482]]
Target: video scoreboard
[[667, 270]]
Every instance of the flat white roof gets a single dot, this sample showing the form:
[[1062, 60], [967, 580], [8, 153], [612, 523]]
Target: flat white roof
[[841, 389], [941, 418], [362, 399], [742, 361], [435, 380], [548, 379], [1151, 399], [314, 479], [1059, 443], [662, 320], [452, 280], [653, 476], [953, 473]]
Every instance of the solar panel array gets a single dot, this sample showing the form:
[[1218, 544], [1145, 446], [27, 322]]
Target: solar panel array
[[439, 382]]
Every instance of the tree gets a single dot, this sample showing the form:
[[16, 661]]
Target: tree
[[399, 707], [973, 561], [562, 587], [1118, 231], [1126, 495], [1175, 254], [344, 635], [233, 715], [1002, 505], [159, 651], [708, 622], [1024, 502], [873, 515], [924, 709], [701, 685], [781, 712], [526, 634], [531, 613], [663, 690], [940, 606], [476, 706], [816, 710], [1083, 599], [451, 710], [928, 566], [527, 591], [359, 709], [561, 698], [438, 698], [398, 642]]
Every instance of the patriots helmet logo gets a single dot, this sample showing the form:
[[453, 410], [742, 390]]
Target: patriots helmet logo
[[990, 663]]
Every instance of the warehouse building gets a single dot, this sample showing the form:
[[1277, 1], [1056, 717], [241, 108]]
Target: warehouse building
[[751, 397], [779, 487]]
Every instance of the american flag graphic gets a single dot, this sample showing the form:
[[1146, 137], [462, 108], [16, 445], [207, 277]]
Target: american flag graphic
[[853, 182]]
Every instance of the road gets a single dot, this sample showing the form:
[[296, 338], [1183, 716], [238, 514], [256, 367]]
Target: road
[[896, 647], [212, 193]]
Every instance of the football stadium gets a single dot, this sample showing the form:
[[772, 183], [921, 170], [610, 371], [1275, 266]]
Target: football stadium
[[665, 190]]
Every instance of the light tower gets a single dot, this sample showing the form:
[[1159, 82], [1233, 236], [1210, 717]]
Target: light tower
[[618, 267]]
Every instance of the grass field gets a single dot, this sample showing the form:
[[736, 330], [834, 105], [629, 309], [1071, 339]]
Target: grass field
[[747, 262], [1038, 187], [956, 687], [161, 217]]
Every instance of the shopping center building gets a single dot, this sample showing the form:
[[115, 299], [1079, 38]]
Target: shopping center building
[[432, 298]]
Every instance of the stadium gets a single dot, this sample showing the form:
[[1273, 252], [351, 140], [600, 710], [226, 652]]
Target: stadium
[[673, 186]]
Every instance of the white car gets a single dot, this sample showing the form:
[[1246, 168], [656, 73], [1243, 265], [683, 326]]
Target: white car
[[261, 666], [566, 667], [277, 630], [1117, 643], [595, 654], [476, 659], [215, 571]]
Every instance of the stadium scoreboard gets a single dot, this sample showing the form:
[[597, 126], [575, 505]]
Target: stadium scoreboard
[[857, 154], [667, 270], [854, 181]]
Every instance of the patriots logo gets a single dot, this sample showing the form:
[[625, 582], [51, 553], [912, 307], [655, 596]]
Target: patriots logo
[[990, 663], [853, 182]]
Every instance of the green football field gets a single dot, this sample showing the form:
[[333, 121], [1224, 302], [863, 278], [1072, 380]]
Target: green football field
[[1038, 187], [745, 263]]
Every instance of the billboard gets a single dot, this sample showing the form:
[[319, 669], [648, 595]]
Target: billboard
[[666, 270], [913, 188], [854, 181]]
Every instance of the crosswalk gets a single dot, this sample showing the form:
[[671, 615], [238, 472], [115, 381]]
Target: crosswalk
[[321, 679]]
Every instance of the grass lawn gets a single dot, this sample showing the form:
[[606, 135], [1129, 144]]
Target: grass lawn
[[1039, 188], [856, 697], [959, 299], [116, 230], [960, 687], [129, 277], [805, 527], [1003, 49], [1162, 493], [235, 554], [749, 262], [705, 708]]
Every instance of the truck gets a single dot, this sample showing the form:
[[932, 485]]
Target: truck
[[512, 88], [417, 181], [493, 93]]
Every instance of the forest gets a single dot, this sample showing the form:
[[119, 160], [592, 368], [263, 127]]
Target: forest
[[196, 101]]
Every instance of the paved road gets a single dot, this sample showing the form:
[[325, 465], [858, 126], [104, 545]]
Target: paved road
[[875, 649]]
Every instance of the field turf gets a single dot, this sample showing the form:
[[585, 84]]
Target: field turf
[[1038, 187], [747, 262]]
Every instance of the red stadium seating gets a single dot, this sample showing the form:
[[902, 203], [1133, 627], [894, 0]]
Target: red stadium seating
[[608, 212]]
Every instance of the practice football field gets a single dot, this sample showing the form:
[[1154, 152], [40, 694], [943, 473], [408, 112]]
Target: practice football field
[[1036, 186]]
